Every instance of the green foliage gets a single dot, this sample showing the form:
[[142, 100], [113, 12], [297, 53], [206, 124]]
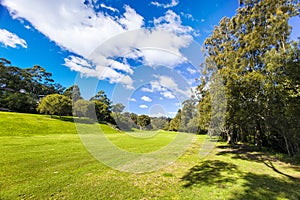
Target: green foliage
[[82, 108], [20, 89], [175, 122], [143, 121], [118, 108], [55, 104], [102, 105], [253, 54], [73, 93], [158, 123]]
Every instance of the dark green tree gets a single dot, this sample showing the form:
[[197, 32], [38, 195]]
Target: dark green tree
[[175, 123], [236, 51], [73, 92], [143, 121]]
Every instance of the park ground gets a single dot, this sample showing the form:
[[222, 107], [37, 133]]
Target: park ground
[[43, 158]]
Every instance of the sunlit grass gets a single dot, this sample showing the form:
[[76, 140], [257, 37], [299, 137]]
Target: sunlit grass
[[44, 158]]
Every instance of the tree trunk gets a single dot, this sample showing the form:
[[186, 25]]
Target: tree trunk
[[258, 135], [287, 145]]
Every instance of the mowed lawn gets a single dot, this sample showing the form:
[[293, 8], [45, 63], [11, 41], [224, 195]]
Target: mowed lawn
[[44, 158]]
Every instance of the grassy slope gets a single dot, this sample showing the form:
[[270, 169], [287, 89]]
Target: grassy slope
[[44, 158]]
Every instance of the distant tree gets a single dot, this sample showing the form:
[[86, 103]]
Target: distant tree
[[158, 122], [175, 122], [73, 92], [134, 117], [81, 108], [143, 121], [103, 107], [102, 97], [55, 104], [21, 102], [118, 108]]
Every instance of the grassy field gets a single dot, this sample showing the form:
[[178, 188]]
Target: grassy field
[[44, 158]]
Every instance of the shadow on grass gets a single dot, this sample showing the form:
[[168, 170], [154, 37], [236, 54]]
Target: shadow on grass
[[71, 119], [251, 153], [208, 173], [253, 186], [260, 186]]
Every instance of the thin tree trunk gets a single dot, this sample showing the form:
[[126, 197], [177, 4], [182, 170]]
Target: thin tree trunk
[[287, 145]]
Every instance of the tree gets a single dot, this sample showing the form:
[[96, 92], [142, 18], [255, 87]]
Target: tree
[[55, 104], [73, 93], [21, 89], [158, 122], [188, 113], [101, 97], [176, 122], [143, 121], [236, 51], [102, 107], [118, 108], [81, 108], [134, 117]]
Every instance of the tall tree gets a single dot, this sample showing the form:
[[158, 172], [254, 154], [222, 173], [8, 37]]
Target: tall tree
[[236, 51], [175, 122], [73, 92], [102, 107]]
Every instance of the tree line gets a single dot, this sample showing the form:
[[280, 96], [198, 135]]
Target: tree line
[[260, 67], [32, 90]]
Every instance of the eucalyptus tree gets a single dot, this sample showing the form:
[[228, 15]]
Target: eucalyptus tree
[[236, 51]]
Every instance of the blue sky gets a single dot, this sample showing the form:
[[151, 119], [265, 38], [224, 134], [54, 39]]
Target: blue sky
[[144, 54]]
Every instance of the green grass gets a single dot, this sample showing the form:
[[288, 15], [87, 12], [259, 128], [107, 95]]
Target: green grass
[[44, 158]]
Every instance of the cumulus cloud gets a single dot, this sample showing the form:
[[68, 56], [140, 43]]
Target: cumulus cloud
[[132, 99], [10, 39], [168, 95], [143, 106], [145, 98], [101, 72], [169, 5], [79, 28]]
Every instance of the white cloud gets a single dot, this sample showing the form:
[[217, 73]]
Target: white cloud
[[168, 95], [168, 83], [72, 24], [188, 16], [143, 106], [144, 89], [145, 98], [100, 72], [131, 19], [159, 114], [172, 113], [77, 27], [10, 39], [132, 99], [102, 5], [169, 5], [192, 71]]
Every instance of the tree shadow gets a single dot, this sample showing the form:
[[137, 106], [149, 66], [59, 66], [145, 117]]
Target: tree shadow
[[260, 186], [245, 152], [208, 172], [251, 186]]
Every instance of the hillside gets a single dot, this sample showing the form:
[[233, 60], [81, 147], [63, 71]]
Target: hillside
[[44, 158]]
